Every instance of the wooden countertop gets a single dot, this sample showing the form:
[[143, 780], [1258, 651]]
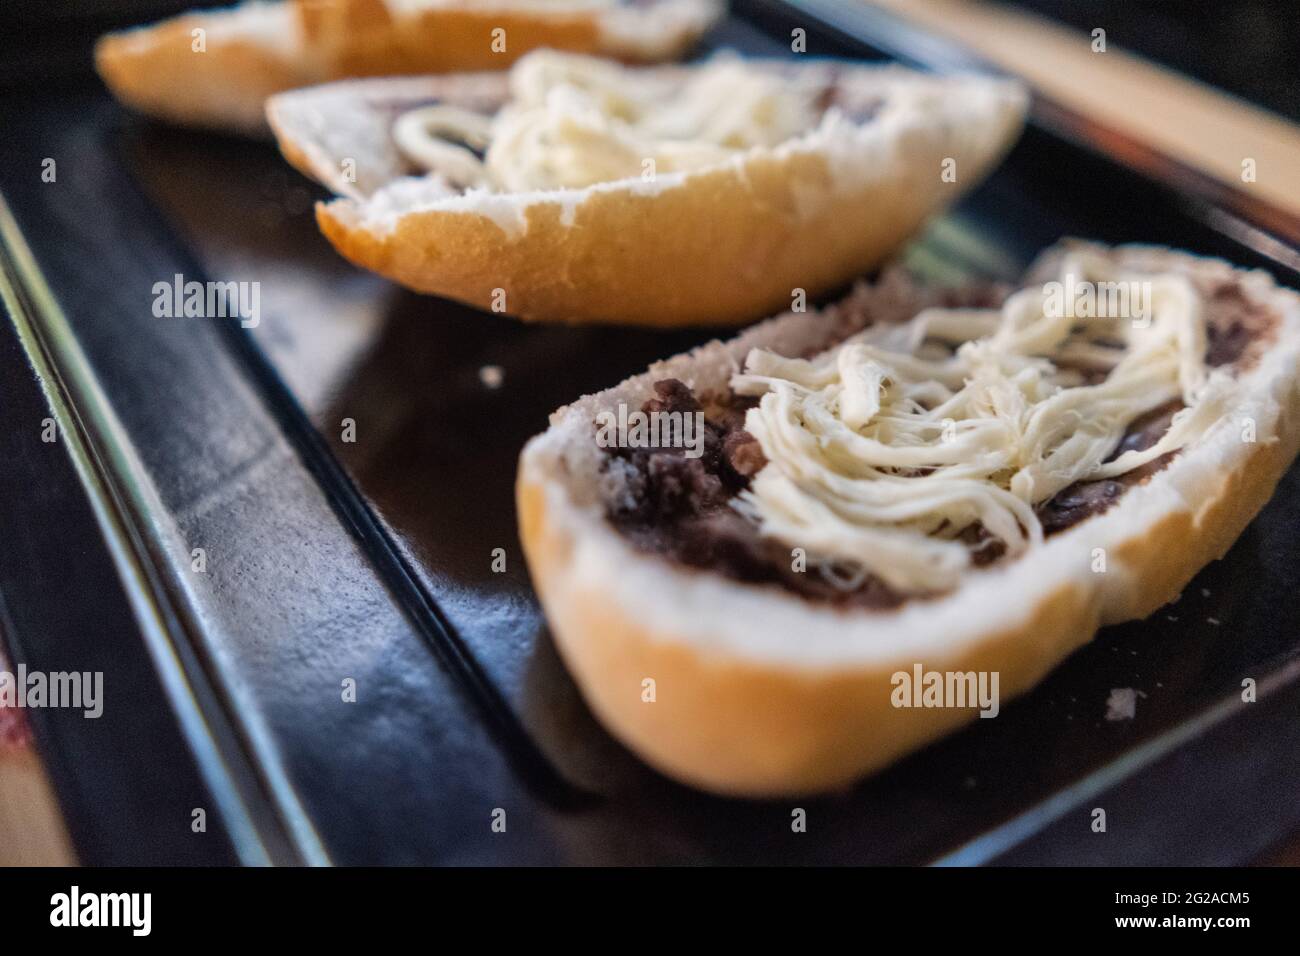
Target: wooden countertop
[[31, 829], [1193, 123]]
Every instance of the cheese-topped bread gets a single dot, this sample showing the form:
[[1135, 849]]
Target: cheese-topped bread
[[577, 190], [771, 530]]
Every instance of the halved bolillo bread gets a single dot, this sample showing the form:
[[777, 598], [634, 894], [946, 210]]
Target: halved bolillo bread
[[714, 217], [760, 690], [255, 49]]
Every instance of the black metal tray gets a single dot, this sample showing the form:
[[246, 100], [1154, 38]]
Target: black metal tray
[[371, 559]]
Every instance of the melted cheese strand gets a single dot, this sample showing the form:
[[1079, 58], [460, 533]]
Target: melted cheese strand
[[884, 452], [421, 136], [573, 121]]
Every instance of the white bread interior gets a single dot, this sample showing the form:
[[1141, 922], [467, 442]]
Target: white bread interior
[[259, 48], [760, 692], [717, 245]]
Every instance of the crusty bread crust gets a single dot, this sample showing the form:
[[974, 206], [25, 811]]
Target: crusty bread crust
[[249, 53], [258, 48], [712, 247], [760, 692]]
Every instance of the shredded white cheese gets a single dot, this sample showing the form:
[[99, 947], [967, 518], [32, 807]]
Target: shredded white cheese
[[573, 121], [882, 451]]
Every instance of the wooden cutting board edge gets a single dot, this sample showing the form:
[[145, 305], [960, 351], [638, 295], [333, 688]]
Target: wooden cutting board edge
[[1186, 120]]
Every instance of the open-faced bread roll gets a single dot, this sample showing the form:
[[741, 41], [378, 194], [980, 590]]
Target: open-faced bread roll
[[1129, 456], [216, 68], [576, 190]]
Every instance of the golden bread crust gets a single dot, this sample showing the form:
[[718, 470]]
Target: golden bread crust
[[256, 50]]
